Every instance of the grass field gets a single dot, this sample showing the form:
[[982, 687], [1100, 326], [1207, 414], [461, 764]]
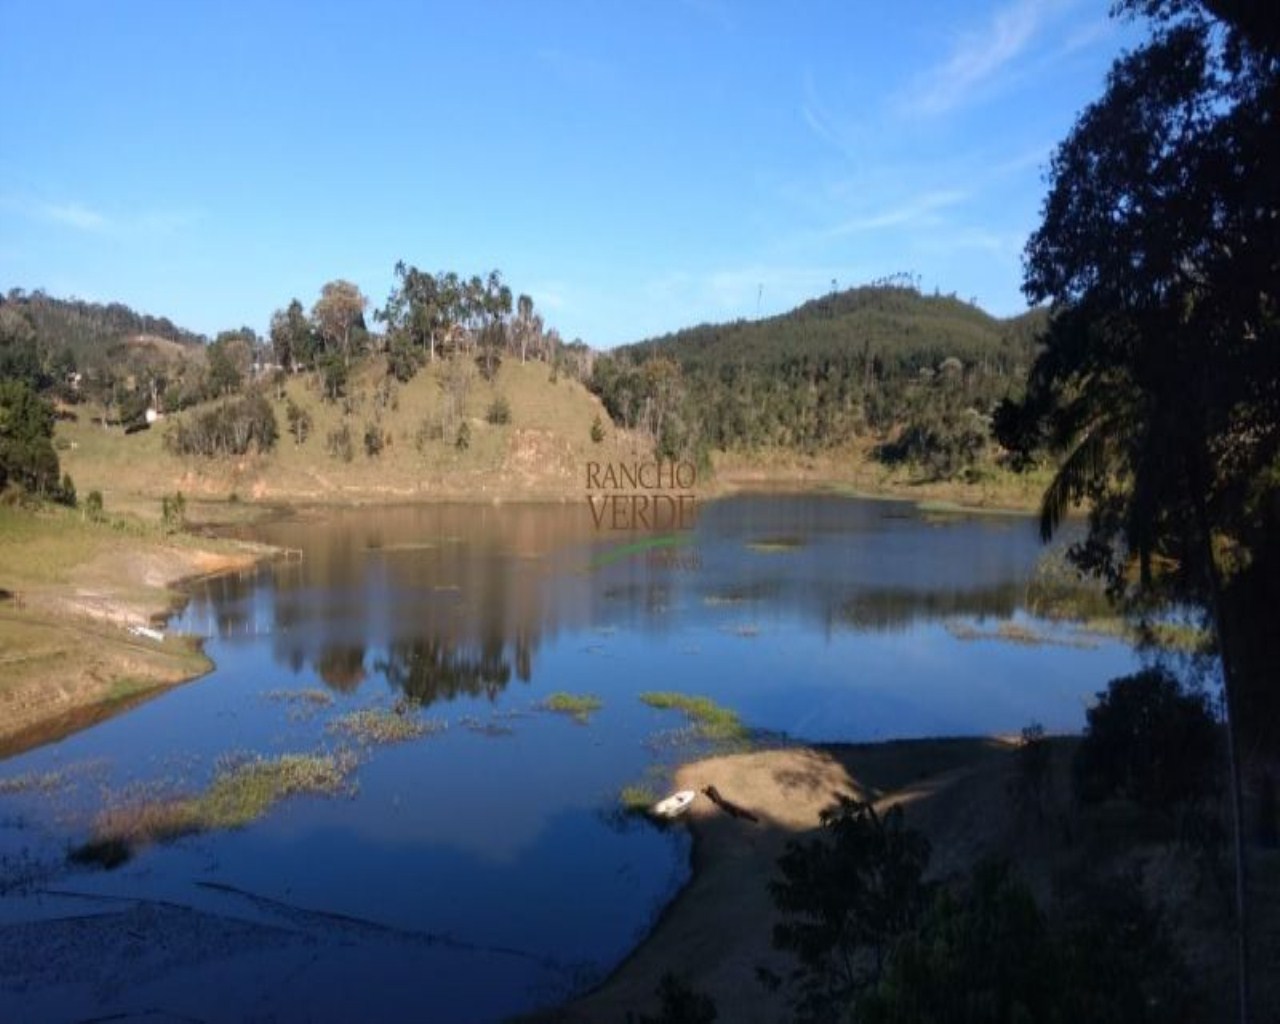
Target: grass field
[[541, 453]]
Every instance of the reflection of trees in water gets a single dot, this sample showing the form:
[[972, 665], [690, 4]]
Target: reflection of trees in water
[[898, 609], [341, 667], [437, 669]]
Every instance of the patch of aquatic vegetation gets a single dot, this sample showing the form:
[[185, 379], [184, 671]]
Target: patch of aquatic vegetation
[[710, 720], [48, 782], [1179, 637], [424, 545], [739, 595], [302, 705], [637, 798], [491, 729], [942, 511], [241, 792], [33, 782], [775, 545], [385, 725], [634, 800], [316, 697], [1018, 633], [578, 706]]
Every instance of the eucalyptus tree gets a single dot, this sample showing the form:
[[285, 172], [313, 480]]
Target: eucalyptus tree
[[339, 318], [293, 341], [418, 308]]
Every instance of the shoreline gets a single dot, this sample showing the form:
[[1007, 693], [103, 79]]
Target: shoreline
[[715, 931], [73, 659], [56, 618]]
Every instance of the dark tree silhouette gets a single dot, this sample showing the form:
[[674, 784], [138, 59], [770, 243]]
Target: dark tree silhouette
[[1160, 378]]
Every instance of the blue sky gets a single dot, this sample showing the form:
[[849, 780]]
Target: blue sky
[[635, 167]]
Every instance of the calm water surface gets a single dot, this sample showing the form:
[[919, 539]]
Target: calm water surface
[[482, 870]]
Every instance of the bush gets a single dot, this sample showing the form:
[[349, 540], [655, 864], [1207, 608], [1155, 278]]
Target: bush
[[27, 456], [1148, 740], [372, 440], [339, 444], [988, 955], [680, 1004], [982, 956], [299, 421], [499, 411], [173, 511], [430, 429], [403, 360], [845, 898], [230, 428], [1033, 757], [333, 376], [93, 510], [597, 430], [463, 440], [66, 492]]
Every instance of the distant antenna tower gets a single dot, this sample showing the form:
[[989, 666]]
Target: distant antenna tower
[[759, 293]]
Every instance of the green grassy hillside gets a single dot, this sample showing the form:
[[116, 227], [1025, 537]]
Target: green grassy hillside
[[540, 453]]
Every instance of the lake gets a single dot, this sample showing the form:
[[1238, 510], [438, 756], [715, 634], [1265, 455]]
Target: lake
[[484, 868]]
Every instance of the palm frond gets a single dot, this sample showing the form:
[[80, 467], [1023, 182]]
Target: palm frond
[[1086, 464]]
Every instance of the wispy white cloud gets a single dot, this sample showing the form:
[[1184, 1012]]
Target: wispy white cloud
[[821, 122], [73, 215], [979, 58], [81, 217], [685, 297], [548, 295], [1089, 34], [915, 211]]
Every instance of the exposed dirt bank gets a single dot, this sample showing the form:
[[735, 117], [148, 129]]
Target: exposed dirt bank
[[74, 592], [717, 931]]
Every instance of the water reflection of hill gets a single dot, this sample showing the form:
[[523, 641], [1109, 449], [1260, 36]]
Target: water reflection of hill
[[886, 610], [449, 601]]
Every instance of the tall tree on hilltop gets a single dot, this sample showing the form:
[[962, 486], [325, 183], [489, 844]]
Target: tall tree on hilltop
[[292, 341], [1160, 376], [339, 318]]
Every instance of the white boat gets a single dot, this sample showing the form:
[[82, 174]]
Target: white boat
[[674, 805]]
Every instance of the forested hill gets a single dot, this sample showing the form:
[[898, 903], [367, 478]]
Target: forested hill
[[918, 376], [891, 324], [86, 327]]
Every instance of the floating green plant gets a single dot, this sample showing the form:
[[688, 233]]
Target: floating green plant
[[579, 706], [713, 721]]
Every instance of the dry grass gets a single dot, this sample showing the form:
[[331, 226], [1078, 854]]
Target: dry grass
[[76, 585], [542, 452]]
